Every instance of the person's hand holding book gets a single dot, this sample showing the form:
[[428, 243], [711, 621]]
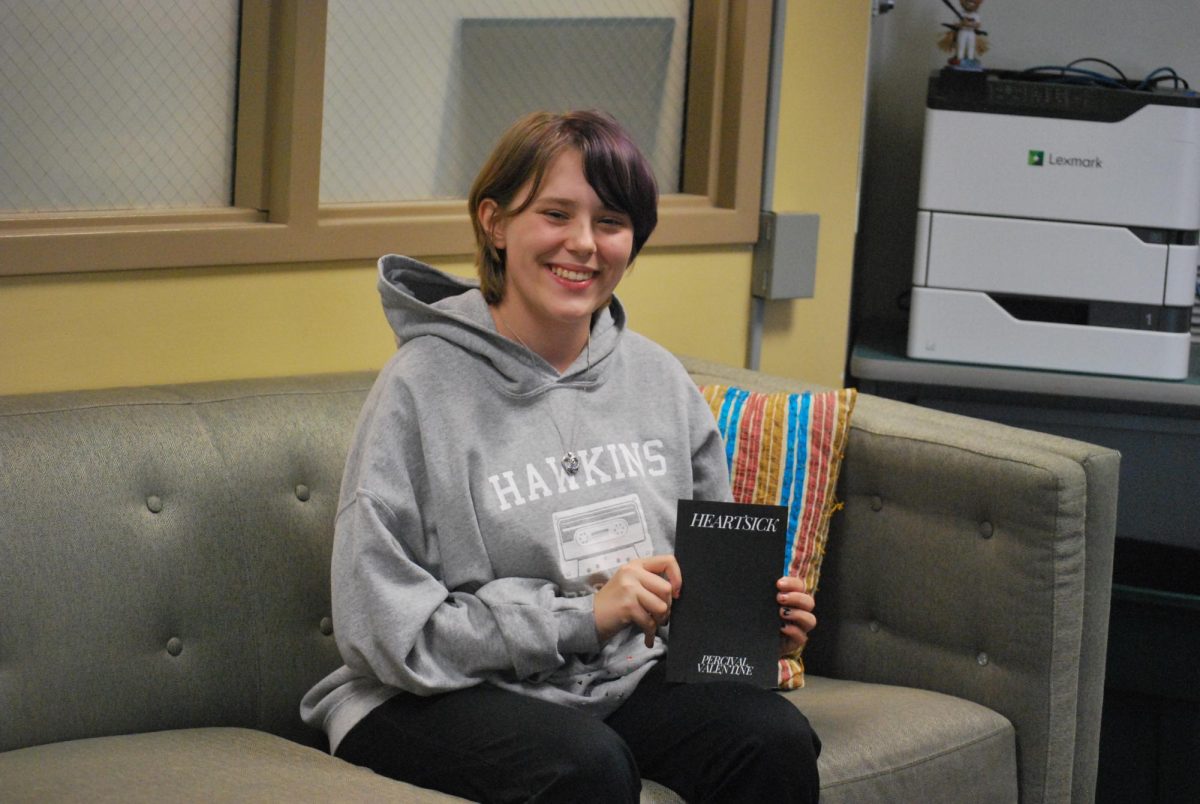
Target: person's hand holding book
[[796, 612]]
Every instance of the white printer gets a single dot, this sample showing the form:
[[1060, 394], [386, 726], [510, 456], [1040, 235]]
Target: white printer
[[1057, 225]]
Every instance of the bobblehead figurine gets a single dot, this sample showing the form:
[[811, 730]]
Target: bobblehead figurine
[[964, 41]]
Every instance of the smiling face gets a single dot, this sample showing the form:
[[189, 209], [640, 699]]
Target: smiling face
[[564, 253]]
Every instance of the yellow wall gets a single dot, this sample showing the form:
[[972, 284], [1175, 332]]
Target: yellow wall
[[187, 325], [822, 92], [183, 325]]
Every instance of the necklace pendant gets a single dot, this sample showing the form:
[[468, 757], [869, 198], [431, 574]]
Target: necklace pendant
[[570, 462]]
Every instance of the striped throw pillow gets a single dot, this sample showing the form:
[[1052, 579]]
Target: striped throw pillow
[[786, 449]]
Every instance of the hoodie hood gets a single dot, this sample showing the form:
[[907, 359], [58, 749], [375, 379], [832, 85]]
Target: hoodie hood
[[419, 300]]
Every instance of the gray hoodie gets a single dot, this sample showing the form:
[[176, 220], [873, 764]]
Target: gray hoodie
[[463, 553]]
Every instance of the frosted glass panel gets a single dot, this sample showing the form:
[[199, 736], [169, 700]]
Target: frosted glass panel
[[416, 94], [117, 104]]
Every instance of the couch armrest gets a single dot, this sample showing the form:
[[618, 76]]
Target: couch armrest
[[975, 559]]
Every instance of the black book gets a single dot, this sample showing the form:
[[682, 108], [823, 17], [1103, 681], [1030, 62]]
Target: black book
[[725, 624]]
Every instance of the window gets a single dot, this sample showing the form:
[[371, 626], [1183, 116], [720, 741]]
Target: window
[[105, 109], [417, 94], [289, 203]]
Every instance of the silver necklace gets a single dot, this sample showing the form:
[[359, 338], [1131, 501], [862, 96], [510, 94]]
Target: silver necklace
[[569, 460]]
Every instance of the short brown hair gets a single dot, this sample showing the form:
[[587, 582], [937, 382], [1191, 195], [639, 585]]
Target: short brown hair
[[612, 164]]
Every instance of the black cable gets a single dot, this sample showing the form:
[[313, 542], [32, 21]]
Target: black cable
[[1072, 74], [1167, 74], [1107, 64], [1078, 73]]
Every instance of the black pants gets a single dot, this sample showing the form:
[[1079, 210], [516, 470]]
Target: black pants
[[719, 741]]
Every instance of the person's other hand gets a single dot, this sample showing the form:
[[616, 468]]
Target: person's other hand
[[639, 592], [796, 612]]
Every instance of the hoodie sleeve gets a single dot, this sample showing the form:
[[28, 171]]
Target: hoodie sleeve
[[394, 617], [398, 622]]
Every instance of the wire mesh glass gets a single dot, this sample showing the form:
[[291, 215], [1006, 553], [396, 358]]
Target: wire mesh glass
[[416, 94], [117, 104]]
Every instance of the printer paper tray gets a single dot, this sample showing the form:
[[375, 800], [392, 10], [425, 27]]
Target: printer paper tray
[[1051, 259], [969, 327]]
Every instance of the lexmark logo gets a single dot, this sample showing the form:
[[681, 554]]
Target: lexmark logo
[[1042, 159]]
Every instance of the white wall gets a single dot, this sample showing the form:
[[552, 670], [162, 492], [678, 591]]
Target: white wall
[[1136, 35]]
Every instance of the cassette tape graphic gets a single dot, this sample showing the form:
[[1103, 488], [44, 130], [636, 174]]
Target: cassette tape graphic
[[601, 536]]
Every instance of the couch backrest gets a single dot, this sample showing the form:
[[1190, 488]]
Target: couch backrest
[[164, 555]]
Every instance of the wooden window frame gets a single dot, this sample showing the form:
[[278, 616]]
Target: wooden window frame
[[277, 217]]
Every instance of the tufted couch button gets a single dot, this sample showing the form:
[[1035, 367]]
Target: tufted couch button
[[985, 529], [302, 493], [154, 503], [982, 659], [326, 626], [174, 646], [876, 503]]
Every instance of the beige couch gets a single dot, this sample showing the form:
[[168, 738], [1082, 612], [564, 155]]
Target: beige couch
[[164, 600]]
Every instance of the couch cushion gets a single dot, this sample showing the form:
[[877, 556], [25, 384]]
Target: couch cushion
[[164, 560], [219, 764], [786, 449], [123, 583], [898, 744], [895, 745], [881, 744]]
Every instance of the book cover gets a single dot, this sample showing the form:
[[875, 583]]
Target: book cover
[[725, 624]]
